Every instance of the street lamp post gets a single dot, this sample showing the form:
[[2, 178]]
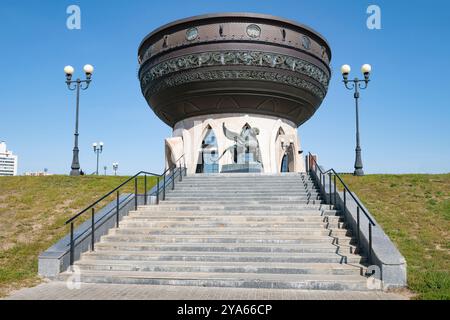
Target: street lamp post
[[98, 148], [115, 166], [356, 85], [77, 85]]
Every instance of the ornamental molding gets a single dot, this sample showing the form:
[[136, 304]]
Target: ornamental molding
[[187, 77], [235, 58]]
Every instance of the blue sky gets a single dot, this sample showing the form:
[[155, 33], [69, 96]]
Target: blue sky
[[404, 113]]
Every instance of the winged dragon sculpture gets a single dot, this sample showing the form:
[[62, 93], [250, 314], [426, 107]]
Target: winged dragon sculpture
[[245, 142]]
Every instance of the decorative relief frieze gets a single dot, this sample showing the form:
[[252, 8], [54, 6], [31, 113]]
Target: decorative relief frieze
[[236, 58], [186, 77]]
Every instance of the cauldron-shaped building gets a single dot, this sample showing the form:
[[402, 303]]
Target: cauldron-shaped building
[[234, 87]]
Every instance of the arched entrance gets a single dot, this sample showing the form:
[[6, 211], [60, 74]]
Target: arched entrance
[[286, 152], [285, 164], [208, 153]]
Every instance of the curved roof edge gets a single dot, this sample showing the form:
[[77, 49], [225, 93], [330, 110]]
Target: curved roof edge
[[235, 15]]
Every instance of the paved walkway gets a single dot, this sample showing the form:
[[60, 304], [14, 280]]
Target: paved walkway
[[55, 290]]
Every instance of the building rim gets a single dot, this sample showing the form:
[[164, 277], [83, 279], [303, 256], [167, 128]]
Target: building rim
[[206, 117], [218, 15]]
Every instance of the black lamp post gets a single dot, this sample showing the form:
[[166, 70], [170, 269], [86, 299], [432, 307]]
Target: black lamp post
[[356, 86], [98, 148], [77, 85]]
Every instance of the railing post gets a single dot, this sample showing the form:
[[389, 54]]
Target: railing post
[[329, 195], [157, 190], [164, 186], [71, 244], [358, 225], [345, 200], [173, 178], [92, 229], [181, 173], [320, 181], [370, 242], [145, 189], [323, 185], [306, 164], [335, 190], [135, 193], [117, 209]]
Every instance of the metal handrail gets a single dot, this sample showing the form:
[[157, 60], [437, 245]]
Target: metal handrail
[[177, 171], [359, 207], [345, 186], [125, 201], [108, 194]]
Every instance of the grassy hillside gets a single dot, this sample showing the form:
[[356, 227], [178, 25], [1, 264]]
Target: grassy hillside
[[414, 210], [32, 215]]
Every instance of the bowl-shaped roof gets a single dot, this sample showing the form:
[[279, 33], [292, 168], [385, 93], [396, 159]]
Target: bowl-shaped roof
[[234, 62]]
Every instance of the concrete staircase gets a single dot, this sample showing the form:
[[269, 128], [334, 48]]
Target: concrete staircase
[[235, 230]]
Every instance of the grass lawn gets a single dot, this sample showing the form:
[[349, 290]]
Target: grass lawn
[[32, 215], [414, 211]]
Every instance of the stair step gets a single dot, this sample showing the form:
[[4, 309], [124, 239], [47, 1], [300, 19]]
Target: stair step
[[222, 267], [236, 201], [270, 185], [237, 197], [248, 239], [234, 256], [196, 191], [249, 187], [230, 247], [245, 176], [226, 224], [246, 179], [237, 231], [188, 218], [241, 182], [237, 280], [186, 212], [257, 189], [311, 208]]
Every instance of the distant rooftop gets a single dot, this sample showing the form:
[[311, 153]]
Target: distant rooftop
[[2, 146]]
